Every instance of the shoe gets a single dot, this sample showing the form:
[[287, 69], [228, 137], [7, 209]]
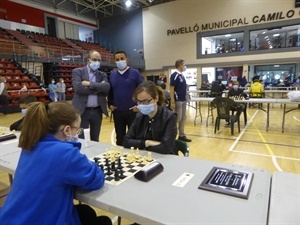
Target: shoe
[[184, 138]]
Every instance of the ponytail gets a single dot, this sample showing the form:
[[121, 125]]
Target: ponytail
[[34, 126]]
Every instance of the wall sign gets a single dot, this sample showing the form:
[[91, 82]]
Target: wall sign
[[236, 22]]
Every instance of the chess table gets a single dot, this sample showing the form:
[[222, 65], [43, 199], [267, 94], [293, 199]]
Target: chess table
[[159, 201], [267, 101]]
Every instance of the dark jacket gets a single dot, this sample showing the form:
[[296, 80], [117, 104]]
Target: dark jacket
[[100, 88], [238, 92], [163, 128], [16, 125]]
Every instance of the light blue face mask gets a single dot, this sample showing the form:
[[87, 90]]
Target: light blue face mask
[[235, 87], [184, 68], [146, 109], [95, 65], [73, 138], [121, 65], [23, 111]]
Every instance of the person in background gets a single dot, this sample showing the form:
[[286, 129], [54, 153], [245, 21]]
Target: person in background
[[49, 169], [166, 95], [123, 83], [256, 89], [61, 90], [243, 81], [24, 103], [216, 89], [3, 97], [52, 90], [297, 82], [178, 97], [91, 88], [154, 127], [236, 90]]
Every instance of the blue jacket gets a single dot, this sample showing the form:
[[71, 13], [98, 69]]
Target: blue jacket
[[44, 183]]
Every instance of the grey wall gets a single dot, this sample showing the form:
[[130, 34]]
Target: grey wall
[[122, 32]]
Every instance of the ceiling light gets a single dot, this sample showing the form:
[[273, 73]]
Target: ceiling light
[[227, 35], [276, 35], [128, 3], [150, 1]]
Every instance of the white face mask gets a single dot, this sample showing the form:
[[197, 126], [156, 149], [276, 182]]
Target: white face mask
[[95, 65], [184, 68], [72, 138], [23, 111]]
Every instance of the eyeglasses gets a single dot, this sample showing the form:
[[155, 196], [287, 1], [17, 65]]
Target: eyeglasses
[[144, 102], [79, 130]]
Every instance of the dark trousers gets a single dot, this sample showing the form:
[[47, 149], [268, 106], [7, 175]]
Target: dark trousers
[[4, 104], [122, 120], [88, 216], [92, 118]]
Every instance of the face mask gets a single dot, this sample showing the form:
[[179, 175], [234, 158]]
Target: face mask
[[72, 138], [235, 87], [121, 65], [184, 68], [146, 109], [95, 65], [62, 81], [23, 111], [52, 82]]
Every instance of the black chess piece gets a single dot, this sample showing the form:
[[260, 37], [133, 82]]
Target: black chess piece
[[108, 170], [113, 166], [122, 176], [117, 177], [119, 163], [101, 167], [106, 162], [96, 159]]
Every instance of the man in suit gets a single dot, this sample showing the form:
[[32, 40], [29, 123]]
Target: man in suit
[[91, 88]]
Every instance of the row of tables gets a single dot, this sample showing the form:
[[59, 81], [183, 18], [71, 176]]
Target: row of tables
[[274, 198], [267, 101]]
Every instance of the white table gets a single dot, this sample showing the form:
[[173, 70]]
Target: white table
[[159, 202], [285, 199], [251, 100]]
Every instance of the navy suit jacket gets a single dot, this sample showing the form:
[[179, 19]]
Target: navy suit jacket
[[100, 88]]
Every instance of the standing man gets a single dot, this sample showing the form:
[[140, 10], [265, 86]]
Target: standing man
[[123, 83], [178, 97], [91, 88]]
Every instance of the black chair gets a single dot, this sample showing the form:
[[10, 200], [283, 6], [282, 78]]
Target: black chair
[[182, 147], [215, 94], [224, 106]]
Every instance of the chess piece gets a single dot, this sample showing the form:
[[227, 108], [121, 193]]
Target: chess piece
[[149, 157], [117, 177], [108, 170]]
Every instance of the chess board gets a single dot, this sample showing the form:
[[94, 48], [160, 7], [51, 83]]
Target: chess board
[[6, 135], [237, 97], [123, 168]]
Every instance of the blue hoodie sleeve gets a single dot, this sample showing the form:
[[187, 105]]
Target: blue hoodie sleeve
[[81, 172]]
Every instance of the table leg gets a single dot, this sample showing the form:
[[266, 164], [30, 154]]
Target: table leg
[[283, 118], [208, 110], [268, 117]]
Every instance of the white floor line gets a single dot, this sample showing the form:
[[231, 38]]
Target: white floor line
[[112, 137], [113, 220], [295, 118], [266, 155], [241, 134], [274, 159]]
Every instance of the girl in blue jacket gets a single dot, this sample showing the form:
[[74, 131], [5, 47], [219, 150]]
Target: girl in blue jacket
[[49, 169]]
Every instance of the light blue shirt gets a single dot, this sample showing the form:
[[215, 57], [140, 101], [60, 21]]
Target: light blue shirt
[[92, 99]]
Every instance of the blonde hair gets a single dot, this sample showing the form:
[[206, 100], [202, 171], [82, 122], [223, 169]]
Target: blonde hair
[[42, 119]]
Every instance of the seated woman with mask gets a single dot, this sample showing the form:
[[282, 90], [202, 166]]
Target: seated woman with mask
[[154, 127], [49, 169]]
